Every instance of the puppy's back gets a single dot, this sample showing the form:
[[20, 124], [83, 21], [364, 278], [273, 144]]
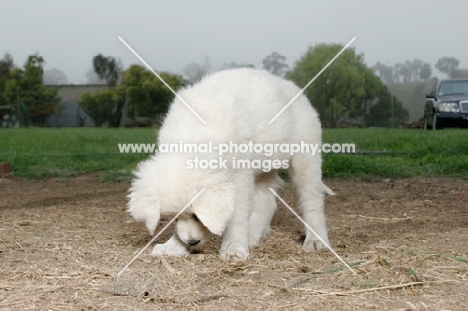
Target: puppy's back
[[237, 105]]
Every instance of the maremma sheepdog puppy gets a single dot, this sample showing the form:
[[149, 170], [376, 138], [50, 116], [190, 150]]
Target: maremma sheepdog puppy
[[237, 203]]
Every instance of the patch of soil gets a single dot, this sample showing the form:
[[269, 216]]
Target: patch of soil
[[63, 243]]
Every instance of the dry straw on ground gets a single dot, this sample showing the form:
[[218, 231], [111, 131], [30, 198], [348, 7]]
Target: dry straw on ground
[[63, 243]]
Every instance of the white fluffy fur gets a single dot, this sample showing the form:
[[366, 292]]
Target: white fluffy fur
[[237, 105]]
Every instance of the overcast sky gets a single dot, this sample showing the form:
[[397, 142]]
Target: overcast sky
[[171, 34]]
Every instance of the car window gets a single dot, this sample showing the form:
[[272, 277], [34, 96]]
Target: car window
[[453, 87]]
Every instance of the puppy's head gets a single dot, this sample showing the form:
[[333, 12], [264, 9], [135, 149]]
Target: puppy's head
[[163, 185], [190, 230]]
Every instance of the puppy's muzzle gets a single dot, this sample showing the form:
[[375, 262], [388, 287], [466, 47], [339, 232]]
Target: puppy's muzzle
[[193, 242]]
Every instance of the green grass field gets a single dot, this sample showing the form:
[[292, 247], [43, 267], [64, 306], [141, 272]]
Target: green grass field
[[39, 153], [411, 153]]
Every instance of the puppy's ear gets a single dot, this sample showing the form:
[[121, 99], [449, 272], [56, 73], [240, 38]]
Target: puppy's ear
[[143, 202], [215, 206], [144, 210]]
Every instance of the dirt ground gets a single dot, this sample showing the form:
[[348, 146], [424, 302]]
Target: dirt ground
[[62, 244]]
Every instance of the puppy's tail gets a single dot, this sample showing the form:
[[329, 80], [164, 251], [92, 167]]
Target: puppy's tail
[[327, 190]]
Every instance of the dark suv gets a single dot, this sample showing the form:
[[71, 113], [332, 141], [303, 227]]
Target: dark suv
[[447, 105]]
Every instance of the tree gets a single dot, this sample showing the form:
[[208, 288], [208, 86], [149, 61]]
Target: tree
[[276, 64], [110, 70], [147, 95], [107, 69], [426, 72], [99, 106], [54, 77], [26, 85], [385, 72], [6, 67], [415, 67], [402, 71], [336, 91], [348, 88], [195, 72], [447, 64]]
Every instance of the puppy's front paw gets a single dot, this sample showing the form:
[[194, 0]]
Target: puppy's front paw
[[234, 251], [164, 250], [171, 248], [314, 246]]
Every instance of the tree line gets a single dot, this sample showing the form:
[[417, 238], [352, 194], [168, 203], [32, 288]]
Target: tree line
[[417, 70], [348, 93]]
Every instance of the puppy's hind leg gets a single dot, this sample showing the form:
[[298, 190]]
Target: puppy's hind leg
[[307, 178], [264, 206]]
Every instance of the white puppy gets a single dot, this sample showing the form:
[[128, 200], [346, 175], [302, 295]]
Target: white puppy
[[237, 203]]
